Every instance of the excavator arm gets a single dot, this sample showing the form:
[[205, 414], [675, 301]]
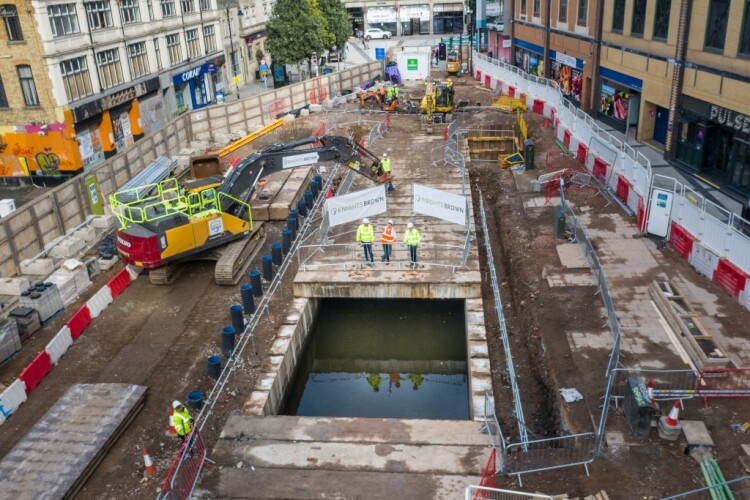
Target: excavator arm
[[241, 181]]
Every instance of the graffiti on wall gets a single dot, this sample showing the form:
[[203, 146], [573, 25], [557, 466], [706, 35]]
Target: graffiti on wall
[[48, 162], [153, 117]]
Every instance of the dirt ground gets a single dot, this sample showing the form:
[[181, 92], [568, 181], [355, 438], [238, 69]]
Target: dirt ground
[[161, 336]]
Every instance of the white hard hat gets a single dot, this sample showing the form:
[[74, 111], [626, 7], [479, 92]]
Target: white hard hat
[[390, 221], [365, 221], [176, 404], [385, 155], [410, 225]]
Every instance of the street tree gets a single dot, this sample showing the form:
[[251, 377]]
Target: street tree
[[295, 33], [338, 22]]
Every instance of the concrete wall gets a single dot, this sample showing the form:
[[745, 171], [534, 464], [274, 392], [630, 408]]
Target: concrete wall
[[26, 231]]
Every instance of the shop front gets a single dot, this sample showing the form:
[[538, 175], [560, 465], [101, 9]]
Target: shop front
[[530, 57], [196, 87], [256, 52], [415, 19], [620, 99], [567, 71], [715, 140], [357, 18], [385, 18], [110, 124], [448, 18]]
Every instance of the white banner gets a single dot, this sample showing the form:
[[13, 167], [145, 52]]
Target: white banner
[[355, 206], [301, 159], [440, 204]]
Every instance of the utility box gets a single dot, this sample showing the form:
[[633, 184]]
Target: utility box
[[558, 223], [442, 51], [638, 408], [528, 156], [6, 207]]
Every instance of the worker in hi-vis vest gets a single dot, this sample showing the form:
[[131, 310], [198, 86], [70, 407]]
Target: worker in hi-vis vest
[[412, 238], [387, 239], [365, 235], [385, 163], [183, 422]]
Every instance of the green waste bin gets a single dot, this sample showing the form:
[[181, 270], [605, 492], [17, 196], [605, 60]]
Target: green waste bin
[[558, 223], [528, 149]]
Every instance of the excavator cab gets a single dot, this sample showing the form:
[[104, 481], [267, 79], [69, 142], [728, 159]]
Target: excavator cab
[[453, 62]]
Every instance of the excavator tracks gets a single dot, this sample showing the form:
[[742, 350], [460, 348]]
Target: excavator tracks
[[165, 275], [236, 257]]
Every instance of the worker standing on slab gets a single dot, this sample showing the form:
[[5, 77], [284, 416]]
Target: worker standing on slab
[[387, 239], [412, 238], [365, 235], [183, 422], [385, 164]]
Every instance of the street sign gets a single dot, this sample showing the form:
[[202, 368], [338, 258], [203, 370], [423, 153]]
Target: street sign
[[380, 54]]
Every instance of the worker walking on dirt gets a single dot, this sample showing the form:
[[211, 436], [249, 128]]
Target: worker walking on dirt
[[395, 91], [365, 235], [388, 93], [387, 239], [385, 164], [412, 238], [183, 422]]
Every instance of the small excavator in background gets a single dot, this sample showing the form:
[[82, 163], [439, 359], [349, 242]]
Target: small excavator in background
[[438, 103], [453, 62], [162, 225]]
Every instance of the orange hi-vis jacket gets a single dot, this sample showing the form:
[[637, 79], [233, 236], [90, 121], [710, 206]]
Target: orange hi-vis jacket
[[388, 236]]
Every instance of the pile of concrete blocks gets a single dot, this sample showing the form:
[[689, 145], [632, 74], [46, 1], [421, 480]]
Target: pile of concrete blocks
[[103, 222], [39, 267], [316, 108], [67, 248], [14, 286], [87, 234]]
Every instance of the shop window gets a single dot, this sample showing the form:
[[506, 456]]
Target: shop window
[[12, 23], [740, 177], [523, 7], [76, 79], [716, 29], [157, 51], [583, 14], [744, 48], [661, 21], [63, 19], [618, 16], [193, 44], [30, 97], [209, 38], [138, 60], [187, 6], [205, 4], [639, 17], [537, 8], [167, 8], [3, 97], [110, 70], [173, 49], [130, 12], [563, 14], [99, 15], [150, 7]]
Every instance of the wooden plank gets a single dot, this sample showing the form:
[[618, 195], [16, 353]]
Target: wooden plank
[[293, 190], [266, 194], [51, 460]]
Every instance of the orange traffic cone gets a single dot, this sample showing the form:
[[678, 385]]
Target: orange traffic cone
[[171, 432], [651, 391], [150, 467], [671, 419], [546, 123]]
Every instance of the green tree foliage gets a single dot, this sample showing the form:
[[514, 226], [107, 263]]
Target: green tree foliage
[[328, 40], [294, 32], [338, 23]]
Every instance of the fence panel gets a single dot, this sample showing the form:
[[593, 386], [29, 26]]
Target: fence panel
[[668, 384], [551, 453], [724, 383], [191, 458]]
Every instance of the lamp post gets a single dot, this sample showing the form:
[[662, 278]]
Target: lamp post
[[471, 38], [231, 54]]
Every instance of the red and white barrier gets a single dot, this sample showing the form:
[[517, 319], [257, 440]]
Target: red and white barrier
[[11, 398], [704, 260], [99, 301], [59, 344]]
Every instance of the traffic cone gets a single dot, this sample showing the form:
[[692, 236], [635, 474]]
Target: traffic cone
[[651, 391], [546, 123], [671, 419], [171, 432], [150, 467]]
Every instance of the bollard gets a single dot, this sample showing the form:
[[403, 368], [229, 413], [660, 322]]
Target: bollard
[[315, 188], [302, 208], [214, 367], [319, 180], [256, 283], [291, 226], [238, 322], [276, 253], [293, 213], [227, 341], [309, 199], [267, 266], [248, 303], [195, 400], [286, 241]]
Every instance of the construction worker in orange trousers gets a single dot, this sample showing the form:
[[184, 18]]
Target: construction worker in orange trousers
[[387, 239], [183, 422]]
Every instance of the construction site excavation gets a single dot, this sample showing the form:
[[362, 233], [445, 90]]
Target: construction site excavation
[[522, 336]]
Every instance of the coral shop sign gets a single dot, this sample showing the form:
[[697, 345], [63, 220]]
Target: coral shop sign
[[730, 118]]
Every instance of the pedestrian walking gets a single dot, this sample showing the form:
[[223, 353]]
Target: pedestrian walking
[[437, 57], [365, 235], [387, 239], [412, 238], [183, 422], [385, 164]]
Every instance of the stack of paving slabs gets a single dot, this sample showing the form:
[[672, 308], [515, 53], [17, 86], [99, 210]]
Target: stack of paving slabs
[[72, 279], [703, 349], [10, 342], [45, 298]]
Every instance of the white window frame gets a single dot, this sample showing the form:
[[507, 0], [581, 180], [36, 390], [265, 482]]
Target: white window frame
[[138, 60], [209, 38], [174, 49], [130, 11], [66, 16], [205, 5], [187, 6], [76, 78], [167, 8], [98, 14], [193, 41], [109, 67], [28, 86]]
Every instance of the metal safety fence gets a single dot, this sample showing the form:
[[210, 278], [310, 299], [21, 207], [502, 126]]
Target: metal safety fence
[[723, 383], [667, 384], [186, 468], [549, 454], [487, 493]]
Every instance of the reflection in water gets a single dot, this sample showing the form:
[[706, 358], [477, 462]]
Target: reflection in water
[[384, 358]]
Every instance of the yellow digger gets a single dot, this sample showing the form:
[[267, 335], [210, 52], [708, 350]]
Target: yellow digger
[[453, 62], [438, 104], [164, 224]]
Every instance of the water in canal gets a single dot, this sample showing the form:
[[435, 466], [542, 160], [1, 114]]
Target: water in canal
[[392, 358]]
